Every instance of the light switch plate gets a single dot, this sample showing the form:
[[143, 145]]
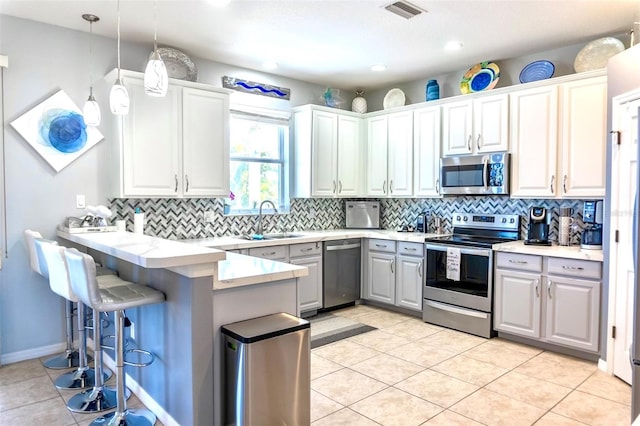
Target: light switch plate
[[80, 202]]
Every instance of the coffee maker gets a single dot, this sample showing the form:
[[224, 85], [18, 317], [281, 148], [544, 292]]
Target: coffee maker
[[539, 220], [592, 233]]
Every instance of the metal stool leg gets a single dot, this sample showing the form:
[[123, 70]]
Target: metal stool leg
[[100, 398], [123, 416], [83, 376], [69, 359]]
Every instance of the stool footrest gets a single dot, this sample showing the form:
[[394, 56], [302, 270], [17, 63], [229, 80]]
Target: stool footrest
[[139, 364]]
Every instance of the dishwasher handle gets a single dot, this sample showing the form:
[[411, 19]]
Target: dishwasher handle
[[342, 247]]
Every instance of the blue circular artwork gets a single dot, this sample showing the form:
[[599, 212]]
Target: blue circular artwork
[[65, 130]]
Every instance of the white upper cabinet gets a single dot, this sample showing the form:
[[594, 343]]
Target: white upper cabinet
[[327, 153], [390, 155], [174, 146], [475, 126], [426, 152], [558, 136]]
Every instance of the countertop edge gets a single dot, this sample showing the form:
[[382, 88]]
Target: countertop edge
[[566, 252]]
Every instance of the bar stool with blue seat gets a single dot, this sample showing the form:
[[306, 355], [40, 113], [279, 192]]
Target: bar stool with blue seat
[[99, 398], [69, 359], [113, 299], [84, 376]]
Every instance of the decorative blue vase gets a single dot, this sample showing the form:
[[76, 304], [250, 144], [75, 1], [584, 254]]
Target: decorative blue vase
[[433, 90]]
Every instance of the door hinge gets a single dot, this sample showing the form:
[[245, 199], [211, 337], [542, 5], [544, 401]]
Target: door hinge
[[615, 136], [613, 332], [617, 236]]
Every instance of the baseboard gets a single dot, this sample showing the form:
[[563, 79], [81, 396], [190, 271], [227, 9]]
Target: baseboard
[[139, 392], [28, 354], [602, 365]]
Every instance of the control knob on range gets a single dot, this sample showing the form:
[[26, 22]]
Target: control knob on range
[[504, 220], [465, 218], [458, 218]]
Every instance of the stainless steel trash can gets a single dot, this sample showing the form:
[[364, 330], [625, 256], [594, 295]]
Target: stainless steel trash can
[[267, 371]]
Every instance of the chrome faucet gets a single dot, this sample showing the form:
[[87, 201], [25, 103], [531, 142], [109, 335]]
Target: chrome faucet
[[259, 224]]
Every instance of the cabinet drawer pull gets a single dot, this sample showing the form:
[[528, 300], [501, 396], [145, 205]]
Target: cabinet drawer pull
[[553, 177], [176, 178], [518, 262], [573, 268], [381, 245], [186, 177], [549, 289], [272, 253], [306, 249], [411, 248]]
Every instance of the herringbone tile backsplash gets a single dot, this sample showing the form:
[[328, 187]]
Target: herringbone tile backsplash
[[184, 218]]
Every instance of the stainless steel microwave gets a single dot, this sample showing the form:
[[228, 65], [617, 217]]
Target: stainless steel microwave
[[486, 174]]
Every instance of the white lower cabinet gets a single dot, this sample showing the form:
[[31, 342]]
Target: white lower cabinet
[[310, 286], [394, 273], [549, 299]]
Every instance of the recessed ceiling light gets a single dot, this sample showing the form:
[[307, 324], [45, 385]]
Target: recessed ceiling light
[[378, 67], [453, 46], [270, 65]]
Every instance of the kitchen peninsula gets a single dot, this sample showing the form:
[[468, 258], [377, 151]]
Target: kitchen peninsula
[[205, 288]]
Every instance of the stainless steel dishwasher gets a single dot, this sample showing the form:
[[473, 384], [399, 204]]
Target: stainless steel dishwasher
[[340, 273]]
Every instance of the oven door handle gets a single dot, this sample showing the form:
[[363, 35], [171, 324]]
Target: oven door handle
[[455, 309], [485, 178], [463, 250]]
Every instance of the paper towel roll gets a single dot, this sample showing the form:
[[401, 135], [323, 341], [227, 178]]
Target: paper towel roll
[[138, 223]]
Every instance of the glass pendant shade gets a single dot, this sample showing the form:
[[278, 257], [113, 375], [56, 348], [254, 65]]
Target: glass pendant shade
[[156, 80], [119, 99], [91, 112]]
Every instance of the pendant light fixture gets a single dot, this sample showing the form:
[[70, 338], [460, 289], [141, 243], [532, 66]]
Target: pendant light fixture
[[155, 75], [91, 109], [119, 97]]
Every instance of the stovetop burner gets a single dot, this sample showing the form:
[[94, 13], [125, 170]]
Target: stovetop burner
[[480, 230]]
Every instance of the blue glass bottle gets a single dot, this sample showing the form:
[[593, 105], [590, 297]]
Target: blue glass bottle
[[433, 90]]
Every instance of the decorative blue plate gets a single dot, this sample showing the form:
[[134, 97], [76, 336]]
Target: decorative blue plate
[[538, 70]]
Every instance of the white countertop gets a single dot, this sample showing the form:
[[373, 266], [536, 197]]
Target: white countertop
[[237, 242], [567, 252], [149, 252], [239, 270]]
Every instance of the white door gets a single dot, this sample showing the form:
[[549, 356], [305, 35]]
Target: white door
[[491, 123], [400, 153], [324, 157], [205, 143], [377, 156], [517, 302], [426, 152], [534, 141], [457, 121], [349, 156], [624, 168], [409, 282]]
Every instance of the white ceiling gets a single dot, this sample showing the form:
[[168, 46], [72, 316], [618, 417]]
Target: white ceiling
[[335, 42]]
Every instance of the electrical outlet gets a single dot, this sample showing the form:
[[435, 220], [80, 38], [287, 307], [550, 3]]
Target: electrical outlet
[[132, 331], [209, 216], [80, 201], [312, 212]]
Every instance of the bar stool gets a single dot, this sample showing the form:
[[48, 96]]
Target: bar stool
[[83, 376], [113, 299], [69, 358]]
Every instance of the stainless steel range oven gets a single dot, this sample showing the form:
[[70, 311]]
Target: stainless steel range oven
[[458, 288]]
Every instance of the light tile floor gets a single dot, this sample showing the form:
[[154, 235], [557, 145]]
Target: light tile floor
[[405, 373], [411, 373]]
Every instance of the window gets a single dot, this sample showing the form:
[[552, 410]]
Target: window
[[259, 159]]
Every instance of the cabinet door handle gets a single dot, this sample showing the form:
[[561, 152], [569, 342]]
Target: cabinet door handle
[[469, 139], [334, 187], [176, 178], [392, 264], [553, 177], [518, 262], [538, 288], [478, 141], [437, 186], [391, 187], [186, 177], [573, 268], [339, 187], [564, 184], [549, 289], [420, 269], [384, 187]]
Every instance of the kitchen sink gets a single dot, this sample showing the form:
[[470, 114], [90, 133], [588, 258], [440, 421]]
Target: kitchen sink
[[274, 236]]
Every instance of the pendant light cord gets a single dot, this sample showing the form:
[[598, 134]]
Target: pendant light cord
[[118, 39], [155, 26], [90, 58]]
